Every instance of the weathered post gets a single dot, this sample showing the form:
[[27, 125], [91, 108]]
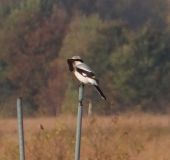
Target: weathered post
[[79, 123], [20, 128], [90, 108]]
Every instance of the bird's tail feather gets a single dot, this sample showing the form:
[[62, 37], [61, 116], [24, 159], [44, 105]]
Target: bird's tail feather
[[100, 92]]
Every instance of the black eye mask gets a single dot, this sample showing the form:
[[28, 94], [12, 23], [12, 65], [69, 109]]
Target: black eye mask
[[70, 64]]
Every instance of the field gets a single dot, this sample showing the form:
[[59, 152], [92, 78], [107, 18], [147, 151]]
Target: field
[[120, 137]]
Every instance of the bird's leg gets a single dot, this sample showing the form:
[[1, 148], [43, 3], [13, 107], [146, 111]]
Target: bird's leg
[[81, 83], [81, 88]]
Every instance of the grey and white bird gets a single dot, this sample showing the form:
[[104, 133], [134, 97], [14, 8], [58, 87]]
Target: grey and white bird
[[83, 73]]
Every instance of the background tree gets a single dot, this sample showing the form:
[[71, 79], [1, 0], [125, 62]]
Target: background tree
[[124, 42], [143, 66]]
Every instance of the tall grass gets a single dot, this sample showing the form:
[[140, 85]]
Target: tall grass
[[120, 137]]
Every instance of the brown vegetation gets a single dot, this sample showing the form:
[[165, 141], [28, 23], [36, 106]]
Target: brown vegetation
[[120, 137]]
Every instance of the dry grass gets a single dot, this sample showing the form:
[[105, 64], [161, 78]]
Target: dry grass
[[123, 137]]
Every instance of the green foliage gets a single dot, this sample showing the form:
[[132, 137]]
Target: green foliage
[[149, 55], [111, 36], [135, 66], [139, 67], [30, 43], [135, 12], [77, 40], [71, 100], [124, 42]]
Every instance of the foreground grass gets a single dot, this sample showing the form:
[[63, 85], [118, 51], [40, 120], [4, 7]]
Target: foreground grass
[[123, 137]]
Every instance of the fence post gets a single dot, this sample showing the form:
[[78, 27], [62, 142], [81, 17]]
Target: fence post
[[90, 108], [20, 128], [79, 122]]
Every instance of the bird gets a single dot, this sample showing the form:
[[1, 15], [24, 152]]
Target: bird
[[83, 73], [40, 126]]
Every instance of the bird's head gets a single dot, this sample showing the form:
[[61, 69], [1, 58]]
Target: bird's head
[[74, 60]]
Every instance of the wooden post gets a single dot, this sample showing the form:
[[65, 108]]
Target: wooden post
[[90, 108]]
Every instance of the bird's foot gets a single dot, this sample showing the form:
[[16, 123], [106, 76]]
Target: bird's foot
[[81, 84]]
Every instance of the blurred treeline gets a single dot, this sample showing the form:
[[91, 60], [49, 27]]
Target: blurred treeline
[[126, 43]]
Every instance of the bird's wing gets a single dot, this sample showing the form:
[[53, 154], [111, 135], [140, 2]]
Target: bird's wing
[[85, 73], [84, 67], [70, 65]]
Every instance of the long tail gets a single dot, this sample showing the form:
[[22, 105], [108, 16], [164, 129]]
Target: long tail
[[100, 92]]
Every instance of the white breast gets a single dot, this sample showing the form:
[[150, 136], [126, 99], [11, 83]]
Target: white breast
[[81, 78]]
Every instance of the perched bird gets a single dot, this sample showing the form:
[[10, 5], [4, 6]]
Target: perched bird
[[40, 126], [83, 73]]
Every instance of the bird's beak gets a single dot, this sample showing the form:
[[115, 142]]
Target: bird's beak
[[69, 59]]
